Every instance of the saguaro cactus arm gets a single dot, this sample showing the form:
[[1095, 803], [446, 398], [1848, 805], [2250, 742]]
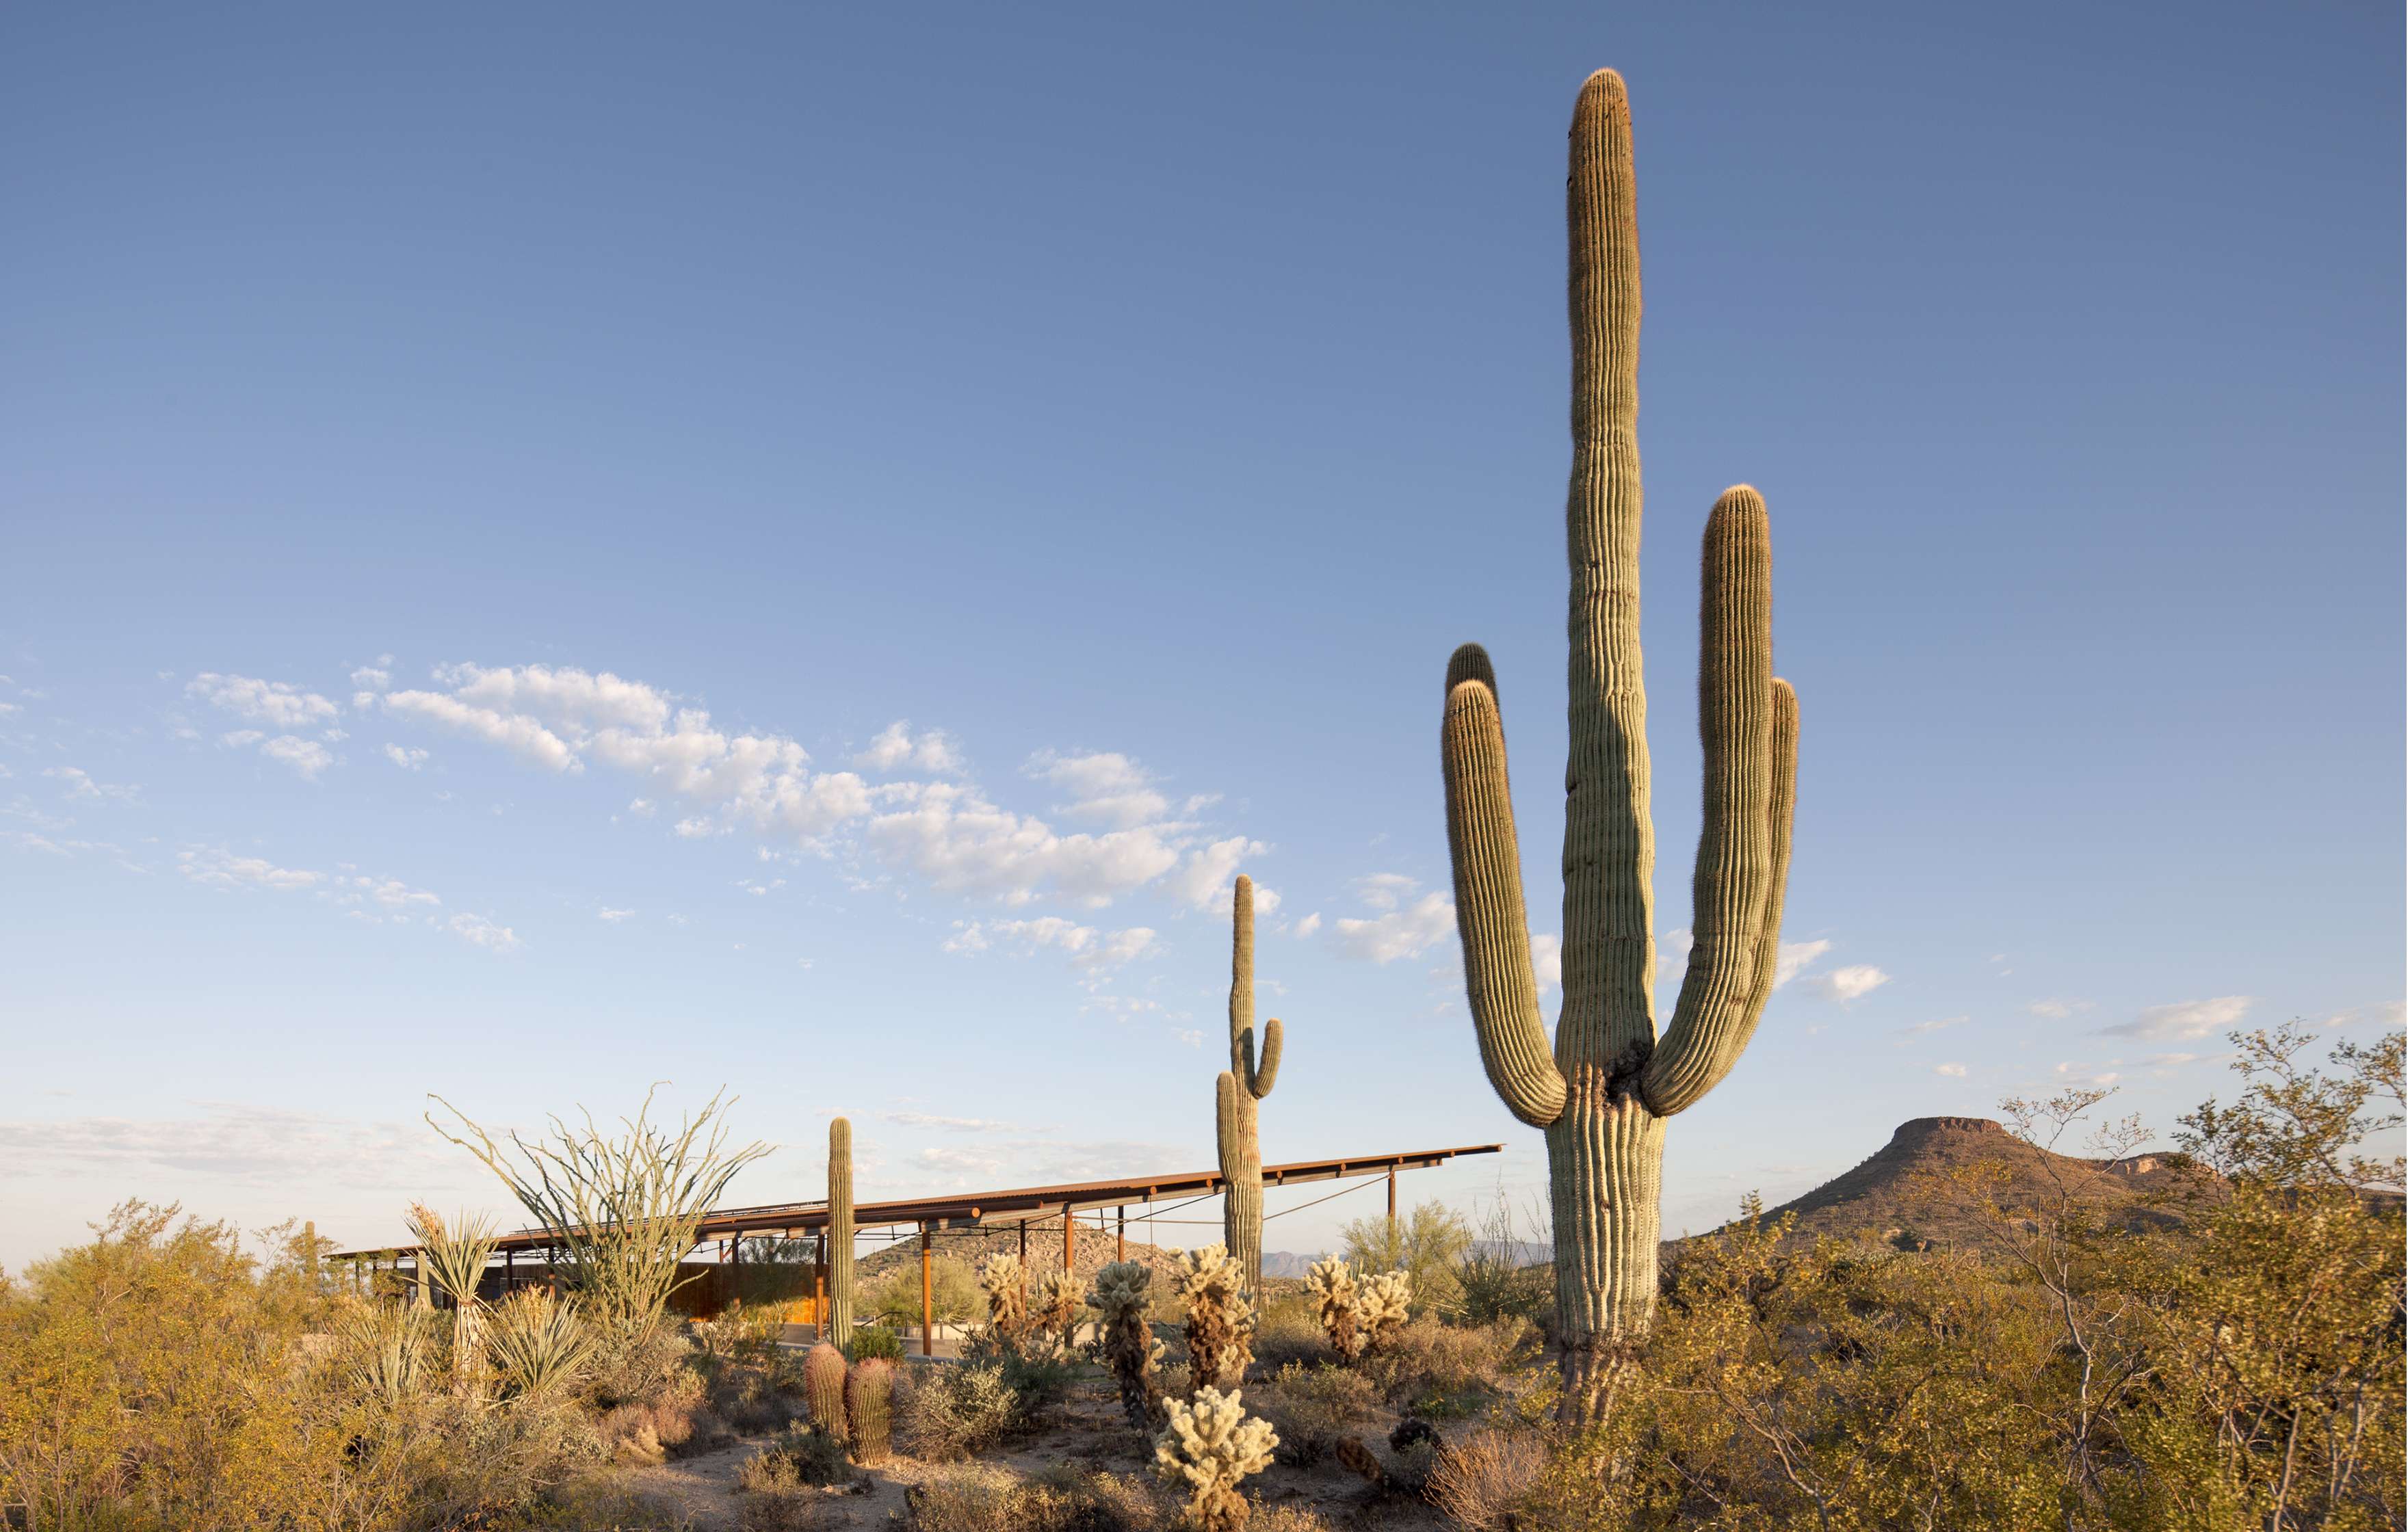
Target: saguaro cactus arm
[[1256, 1070], [1734, 889], [1498, 980]]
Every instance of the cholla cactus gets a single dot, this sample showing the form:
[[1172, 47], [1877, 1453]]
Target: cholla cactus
[[1334, 1292], [824, 1388], [869, 1409], [1127, 1344], [1220, 1317], [1055, 1312], [1007, 1295], [1381, 1304], [1211, 1446]]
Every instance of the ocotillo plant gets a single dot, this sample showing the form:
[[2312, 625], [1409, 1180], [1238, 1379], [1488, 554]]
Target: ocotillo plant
[[839, 1232], [1246, 1081], [1603, 1093]]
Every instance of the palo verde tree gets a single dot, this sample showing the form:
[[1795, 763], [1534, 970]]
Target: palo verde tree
[[1604, 1090]]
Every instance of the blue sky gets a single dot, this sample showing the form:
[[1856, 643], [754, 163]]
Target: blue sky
[[555, 550]]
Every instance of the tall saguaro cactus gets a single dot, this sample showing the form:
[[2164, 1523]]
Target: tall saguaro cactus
[[839, 1233], [1246, 1081], [1603, 1091]]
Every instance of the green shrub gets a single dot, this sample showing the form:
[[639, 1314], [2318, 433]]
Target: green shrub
[[874, 1340], [1313, 1407], [802, 1455]]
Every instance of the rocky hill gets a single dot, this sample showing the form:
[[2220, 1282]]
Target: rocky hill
[[1919, 1187]]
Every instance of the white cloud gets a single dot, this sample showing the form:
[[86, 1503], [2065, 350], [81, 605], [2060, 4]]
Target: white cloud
[[961, 843], [522, 735], [217, 867], [1953, 1071], [2186, 1020], [305, 756], [1794, 958], [2055, 1009], [950, 1125], [390, 892], [406, 758], [1308, 925], [1208, 879], [642, 807], [1104, 787], [2083, 1074], [1547, 961], [1853, 982], [1400, 933], [267, 1146], [1087, 947], [1189, 1035], [1940, 1025], [273, 703], [1385, 890], [895, 749], [370, 678], [615, 916], [484, 933], [80, 784], [239, 739]]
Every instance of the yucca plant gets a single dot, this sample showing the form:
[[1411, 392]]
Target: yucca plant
[[538, 1344], [380, 1348], [454, 1256]]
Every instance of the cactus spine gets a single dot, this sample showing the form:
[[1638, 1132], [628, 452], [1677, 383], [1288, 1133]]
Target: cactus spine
[[1246, 1081], [1603, 1091], [839, 1234]]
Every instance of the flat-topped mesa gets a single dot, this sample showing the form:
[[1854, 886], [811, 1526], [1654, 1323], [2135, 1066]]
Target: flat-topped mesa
[[1604, 1087], [1923, 1127]]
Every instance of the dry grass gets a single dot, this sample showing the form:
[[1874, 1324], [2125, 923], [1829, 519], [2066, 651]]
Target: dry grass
[[1481, 1479], [1314, 1409]]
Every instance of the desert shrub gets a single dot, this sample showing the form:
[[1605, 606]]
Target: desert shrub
[[894, 1298], [1427, 1246], [957, 1411], [1061, 1498], [874, 1341], [1315, 1408], [751, 1399], [1450, 1370], [801, 1456], [1288, 1331], [632, 1368], [1481, 1479]]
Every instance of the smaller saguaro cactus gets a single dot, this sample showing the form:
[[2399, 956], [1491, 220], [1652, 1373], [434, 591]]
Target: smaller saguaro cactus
[[1335, 1298], [1210, 1446], [1127, 1344], [869, 1409], [1220, 1316], [824, 1388], [839, 1232], [1240, 1086]]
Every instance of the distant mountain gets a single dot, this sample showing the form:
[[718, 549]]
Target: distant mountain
[[1904, 1191], [1287, 1263]]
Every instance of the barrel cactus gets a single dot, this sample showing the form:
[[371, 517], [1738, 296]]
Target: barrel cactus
[[1602, 1092], [824, 1388], [839, 1232], [869, 1409], [1248, 1079]]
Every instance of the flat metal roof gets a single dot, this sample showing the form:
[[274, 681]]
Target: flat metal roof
[[1010, 1205]]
